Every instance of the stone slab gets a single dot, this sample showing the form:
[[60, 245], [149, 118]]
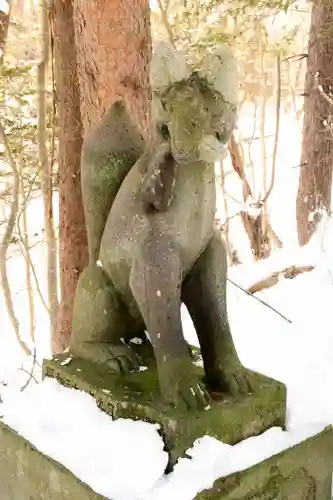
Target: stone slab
[[27, 474], [136, 395], [302, 472]]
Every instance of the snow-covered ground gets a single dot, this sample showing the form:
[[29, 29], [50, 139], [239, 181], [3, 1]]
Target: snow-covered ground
[[129, 460]]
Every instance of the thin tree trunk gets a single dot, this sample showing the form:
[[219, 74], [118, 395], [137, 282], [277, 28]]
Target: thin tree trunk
[[46, 174], [315, 182], [25, 243], [72, 232], [4, 25]]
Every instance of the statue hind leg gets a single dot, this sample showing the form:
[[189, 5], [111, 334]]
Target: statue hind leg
[[204, 294], [99, 320], [101, 323]]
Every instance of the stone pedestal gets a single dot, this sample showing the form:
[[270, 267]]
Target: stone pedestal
[[136, 395], [27, 474], [303, 472]]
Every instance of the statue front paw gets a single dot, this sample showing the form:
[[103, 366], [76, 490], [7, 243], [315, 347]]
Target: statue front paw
[[190, 396], [231, 378], [182, 388]]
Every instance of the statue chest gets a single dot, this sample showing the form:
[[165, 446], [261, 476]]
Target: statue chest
[[188, 222]]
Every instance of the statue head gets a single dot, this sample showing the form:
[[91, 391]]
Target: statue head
[[194, 108]]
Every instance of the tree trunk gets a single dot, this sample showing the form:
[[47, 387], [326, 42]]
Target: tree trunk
[[46, 169], [73, 250], [113, 53], [314, 191], [110, 58]]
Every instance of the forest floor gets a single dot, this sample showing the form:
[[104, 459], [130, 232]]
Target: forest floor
[[296, 349]]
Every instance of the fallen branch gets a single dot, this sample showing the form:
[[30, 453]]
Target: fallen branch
[[271, 280]]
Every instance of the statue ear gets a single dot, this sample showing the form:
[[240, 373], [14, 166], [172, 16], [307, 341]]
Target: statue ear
[[167, 66], [158, 182], [220, 70]]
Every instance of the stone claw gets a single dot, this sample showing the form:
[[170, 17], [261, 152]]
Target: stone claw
[[195, 397]]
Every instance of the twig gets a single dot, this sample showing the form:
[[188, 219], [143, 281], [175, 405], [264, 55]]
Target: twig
[[27, 196], [165, 20], [229, 219], [28, 258], [304, 164], [277, 128], [31, 376], [233, 198], [259, 300], [322, 91], [296, 57]]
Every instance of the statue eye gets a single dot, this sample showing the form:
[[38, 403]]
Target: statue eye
[[218, 136]]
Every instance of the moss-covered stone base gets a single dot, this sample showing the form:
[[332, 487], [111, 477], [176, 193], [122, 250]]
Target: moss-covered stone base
[[303, 472], [136, 396], [27, 474]]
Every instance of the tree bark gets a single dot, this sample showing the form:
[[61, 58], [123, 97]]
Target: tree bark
[[113, 54], [73, 251], [314, 191], [102, 51]]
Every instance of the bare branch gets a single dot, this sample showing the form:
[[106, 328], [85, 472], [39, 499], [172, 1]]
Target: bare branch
[[322, 92], [165, 20], [7, 238], [31, 376], [277, 127], [27, 256]]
